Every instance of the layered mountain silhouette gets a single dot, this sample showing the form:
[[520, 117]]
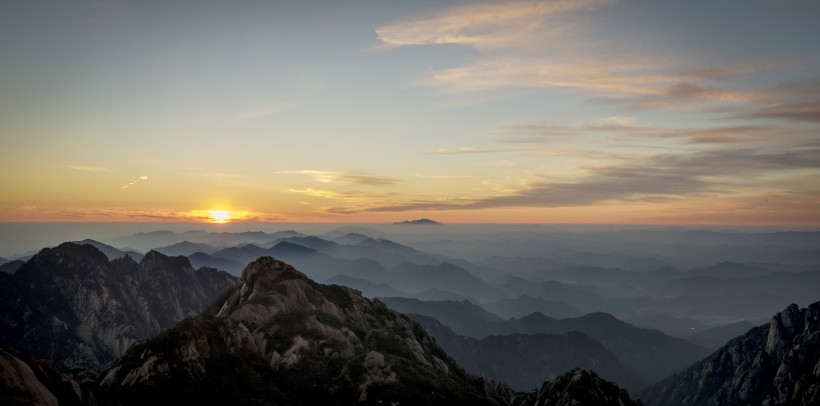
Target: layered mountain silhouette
[[280, 338], [70, 304], [525, 361], [651, 353]]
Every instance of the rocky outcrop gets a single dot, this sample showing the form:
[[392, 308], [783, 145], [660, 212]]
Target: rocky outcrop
[[579, 387], [72, 305], [281, 338], [37, 382], [774, 364]]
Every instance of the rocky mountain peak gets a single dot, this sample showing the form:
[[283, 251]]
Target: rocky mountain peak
[[774, 364], [72, 305]]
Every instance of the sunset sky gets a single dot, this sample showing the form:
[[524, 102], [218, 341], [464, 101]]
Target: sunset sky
[[588, 111]]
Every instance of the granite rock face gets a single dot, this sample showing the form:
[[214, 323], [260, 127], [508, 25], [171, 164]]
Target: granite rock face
[[774, 364], [71, 305]]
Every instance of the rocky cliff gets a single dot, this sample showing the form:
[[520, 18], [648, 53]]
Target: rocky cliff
[[70, 304], [24, 381], [774, 364]]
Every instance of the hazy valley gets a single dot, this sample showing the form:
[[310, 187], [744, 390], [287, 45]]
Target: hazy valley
[[480, 295]]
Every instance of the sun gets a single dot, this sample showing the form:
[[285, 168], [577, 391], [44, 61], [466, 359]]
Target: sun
[[220, 216]]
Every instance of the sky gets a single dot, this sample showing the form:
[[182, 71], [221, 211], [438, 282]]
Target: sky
[[587, 111]]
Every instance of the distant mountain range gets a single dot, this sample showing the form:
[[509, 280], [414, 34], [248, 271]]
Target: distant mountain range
[[419, 222], [651, 353], [526, 360]]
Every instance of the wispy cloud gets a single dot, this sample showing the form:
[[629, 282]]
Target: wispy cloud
[[626, 126], [804, 111], [488, 25], [344, 178], [87, 168], [544, 44], [659, 178], [142, 178]]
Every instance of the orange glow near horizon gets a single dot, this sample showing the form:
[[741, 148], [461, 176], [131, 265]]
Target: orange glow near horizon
[[220, 216]]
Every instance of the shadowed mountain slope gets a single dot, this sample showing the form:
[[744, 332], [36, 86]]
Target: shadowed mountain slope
[[774, 364]]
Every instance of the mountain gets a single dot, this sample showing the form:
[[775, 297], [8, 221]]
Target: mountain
[[186, 248], [728, 269], [774, 364], [651, 353], [578, 387], [716, 337], [368, 289], [280, 338], [200, 259], [24, 381], [72, 305], [524, 305], [109, 251], [11, 267], [419, 222], [463, 317], [525, 361]]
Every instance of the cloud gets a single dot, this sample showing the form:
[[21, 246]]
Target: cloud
[[627, 126], [87, 168], [344, 178], [134, 182], [658, 178], [551, 44], [805, 112], [488, 25]]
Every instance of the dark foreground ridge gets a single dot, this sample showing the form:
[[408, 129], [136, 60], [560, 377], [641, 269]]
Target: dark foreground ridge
[[280, 338], [774, 364]]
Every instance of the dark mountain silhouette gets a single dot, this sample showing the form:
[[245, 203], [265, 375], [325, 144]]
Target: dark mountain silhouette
[[726, 270], [525, 361], [524, 305], [186, 248], [578, 387], [109, 251], [463, 317], [200, 259], [368, 289], [419, 222], [11, 267], [774, 364], [651, 353], [72, 305]]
